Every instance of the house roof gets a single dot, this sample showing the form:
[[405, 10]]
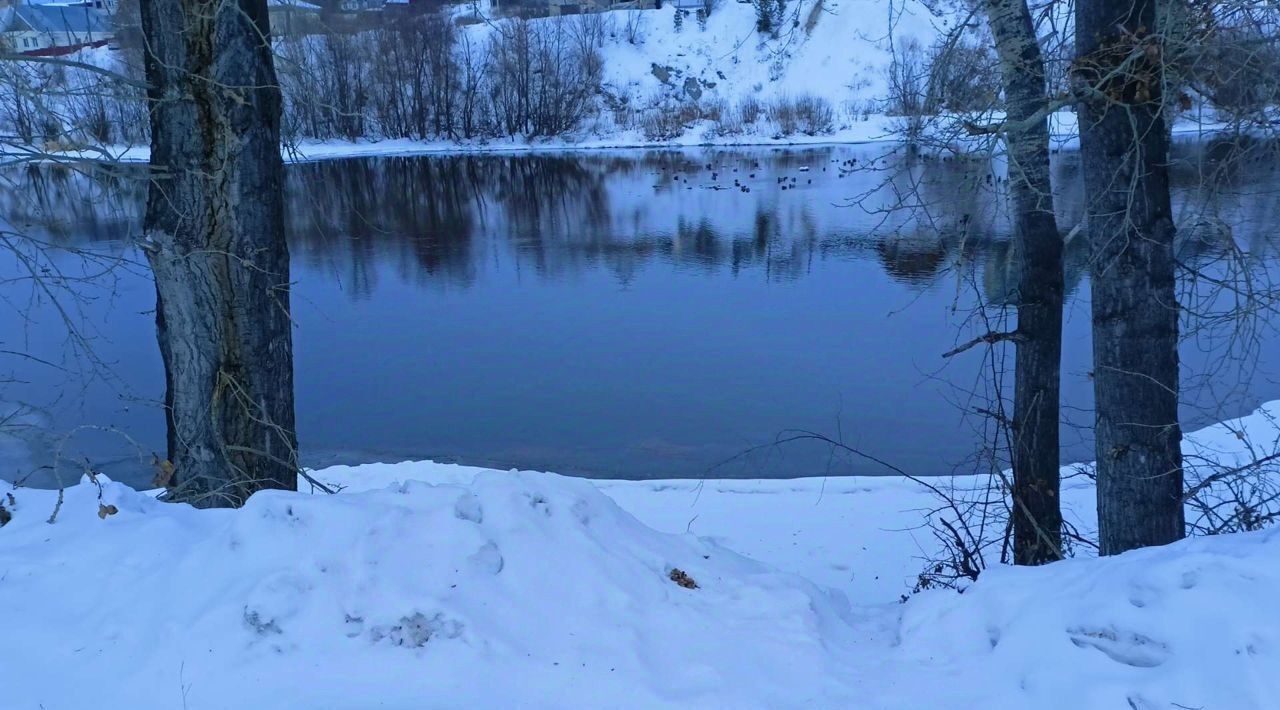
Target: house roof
[[59, 18], [300, 5]]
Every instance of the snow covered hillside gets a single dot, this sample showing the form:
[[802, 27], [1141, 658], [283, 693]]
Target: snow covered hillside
[[486, 589], [663, 77], [831, 71], [840, 51]]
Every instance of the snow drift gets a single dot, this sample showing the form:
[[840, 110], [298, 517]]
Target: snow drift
[[1190, 625], [518, 590], [492, 589]]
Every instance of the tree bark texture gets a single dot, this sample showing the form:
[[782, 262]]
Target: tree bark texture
[[1037, 512], [1118, 78], [214, 236]]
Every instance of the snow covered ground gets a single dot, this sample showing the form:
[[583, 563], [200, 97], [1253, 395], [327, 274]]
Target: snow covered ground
[[423, 585], [878, 129]]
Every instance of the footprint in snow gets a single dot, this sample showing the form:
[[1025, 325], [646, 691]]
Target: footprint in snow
[[1126, 647]]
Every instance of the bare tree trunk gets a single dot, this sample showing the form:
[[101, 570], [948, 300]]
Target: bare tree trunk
[[214, 235], [1037, 512], [1124, 150]]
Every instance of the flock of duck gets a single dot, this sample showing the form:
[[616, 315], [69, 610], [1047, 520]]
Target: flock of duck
[[844, 168]]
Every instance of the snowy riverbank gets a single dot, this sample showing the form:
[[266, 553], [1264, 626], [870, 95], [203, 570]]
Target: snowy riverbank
[[662, 84], [876, 130], [503, 589]]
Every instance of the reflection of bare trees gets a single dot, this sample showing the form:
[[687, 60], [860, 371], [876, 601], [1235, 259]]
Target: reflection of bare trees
[[556, 213], [71, 206], [936, 215], [435, 219], [348, 215]]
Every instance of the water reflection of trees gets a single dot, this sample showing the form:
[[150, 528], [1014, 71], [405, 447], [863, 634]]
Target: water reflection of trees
[[435, 221], [557, 215], [1226, 205], [72, 206]]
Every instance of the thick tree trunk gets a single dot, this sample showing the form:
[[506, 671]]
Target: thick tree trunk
[[1124, 150], [214, 235], [1037, 512]]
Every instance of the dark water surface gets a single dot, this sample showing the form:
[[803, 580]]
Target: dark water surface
[[617, 314]]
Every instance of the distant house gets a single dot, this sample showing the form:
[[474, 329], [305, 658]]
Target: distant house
[[360, 5], [576, 7], [353, 15], [407, 8], [54, 29], [294, 17]]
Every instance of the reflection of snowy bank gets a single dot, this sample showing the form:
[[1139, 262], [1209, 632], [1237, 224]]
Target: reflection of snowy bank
[[34, 454], [875, 129], [25, 446]]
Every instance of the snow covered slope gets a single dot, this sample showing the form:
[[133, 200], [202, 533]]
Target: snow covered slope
[[517, 590], [841, 51], [487, 589], [1190, 625]]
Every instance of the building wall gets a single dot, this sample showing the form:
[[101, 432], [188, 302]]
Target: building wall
[[26, 42], [294, 21]]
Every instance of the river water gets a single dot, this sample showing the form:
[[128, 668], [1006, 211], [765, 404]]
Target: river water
[[637, 314]]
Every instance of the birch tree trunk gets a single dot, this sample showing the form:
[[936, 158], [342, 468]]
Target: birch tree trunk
[[1037, 512], [1118, 78], [214, 236]]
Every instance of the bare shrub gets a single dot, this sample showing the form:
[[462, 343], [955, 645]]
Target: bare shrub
[[814, 115], [807, 114], [590, 29], [472, 59], [633, 26], [539, 85], [962, 77], [65, 107], [782, 112], [18, 108], [665, 120], [908, 87], [908, 79], [750, 111], [714, 109], [340, 86], [730, 124], [424, 78], [1238, 69]]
